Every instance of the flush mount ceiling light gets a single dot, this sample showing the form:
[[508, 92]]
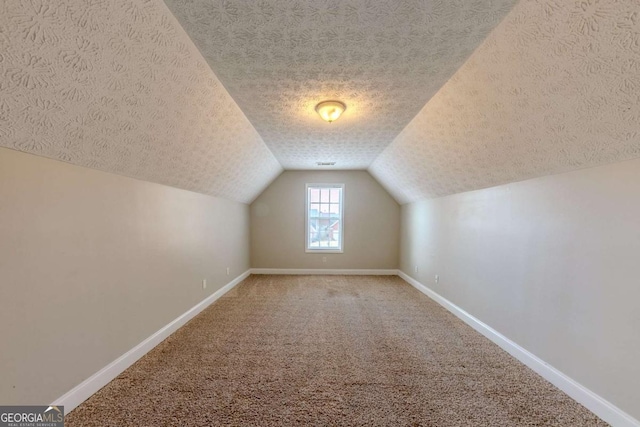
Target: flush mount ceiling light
[[330, 110]]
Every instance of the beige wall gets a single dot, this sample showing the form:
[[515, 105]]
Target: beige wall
[[371, 225], [552, 263], [92, 263]]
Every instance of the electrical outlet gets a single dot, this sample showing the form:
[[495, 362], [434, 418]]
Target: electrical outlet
[[324, 259], [228, 271], [437, 278], [416, 268], [204, 283]]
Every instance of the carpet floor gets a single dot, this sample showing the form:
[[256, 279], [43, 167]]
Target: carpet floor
[[328, 350]]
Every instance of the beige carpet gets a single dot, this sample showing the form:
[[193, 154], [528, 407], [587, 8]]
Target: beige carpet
[[328, 350]]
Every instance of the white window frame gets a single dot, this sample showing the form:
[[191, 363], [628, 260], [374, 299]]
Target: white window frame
[[307, 205]]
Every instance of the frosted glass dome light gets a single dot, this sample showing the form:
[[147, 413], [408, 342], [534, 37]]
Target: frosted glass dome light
[[330, 110]]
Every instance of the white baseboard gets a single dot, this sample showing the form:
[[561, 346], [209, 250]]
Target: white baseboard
[[328, 271], [88, 387], [596, 404]]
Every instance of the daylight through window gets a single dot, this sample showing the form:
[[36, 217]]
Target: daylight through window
[[324, 217]]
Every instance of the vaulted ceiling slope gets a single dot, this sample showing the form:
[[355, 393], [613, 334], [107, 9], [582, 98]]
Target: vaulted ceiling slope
[[383, 58], [118, 86], [555, 87]]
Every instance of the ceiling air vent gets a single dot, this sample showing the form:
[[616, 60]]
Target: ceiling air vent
[[325, 163]]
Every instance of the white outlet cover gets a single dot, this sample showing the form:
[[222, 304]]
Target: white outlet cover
[[204, 283]]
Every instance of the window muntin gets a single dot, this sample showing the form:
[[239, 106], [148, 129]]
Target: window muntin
[[324, 218]]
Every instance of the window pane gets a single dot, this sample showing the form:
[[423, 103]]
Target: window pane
[[314, 194], [334, 233], [334, 208], [324, 195], [313, 232], [314, 209], [335, 195]]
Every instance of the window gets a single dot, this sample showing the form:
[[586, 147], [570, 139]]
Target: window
[[324, 212]]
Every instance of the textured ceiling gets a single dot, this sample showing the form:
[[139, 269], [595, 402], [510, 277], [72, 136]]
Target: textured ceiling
[[555, 87], [119, 86], [384, 59]]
